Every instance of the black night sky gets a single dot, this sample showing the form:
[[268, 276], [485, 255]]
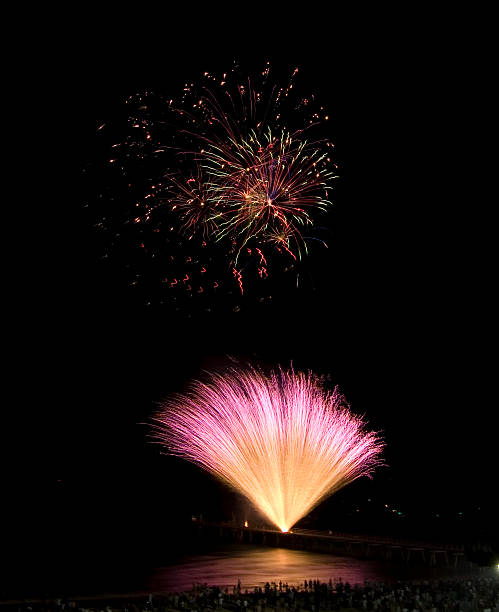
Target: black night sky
[[399, 310]]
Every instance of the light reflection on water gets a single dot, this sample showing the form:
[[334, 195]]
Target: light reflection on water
[[254, 566]]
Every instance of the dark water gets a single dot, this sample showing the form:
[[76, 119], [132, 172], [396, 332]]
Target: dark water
[[222, 566], [254, 566]]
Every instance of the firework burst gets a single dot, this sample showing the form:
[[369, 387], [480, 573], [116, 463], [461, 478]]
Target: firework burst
[[194, 204], [233, 170], [281, 440], [267, 186]]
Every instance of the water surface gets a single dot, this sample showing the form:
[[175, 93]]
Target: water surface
[[254, 566]]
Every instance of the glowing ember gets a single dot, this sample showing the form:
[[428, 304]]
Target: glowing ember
[[282, 440]]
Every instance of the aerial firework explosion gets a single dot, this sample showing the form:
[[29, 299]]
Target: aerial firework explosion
[[221, 186], [265, 187], [282, 440]]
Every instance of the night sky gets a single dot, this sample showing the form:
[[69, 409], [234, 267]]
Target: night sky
[[398, 310]]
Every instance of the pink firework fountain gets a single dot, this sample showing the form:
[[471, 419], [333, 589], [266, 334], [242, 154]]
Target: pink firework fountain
[[282, 440]]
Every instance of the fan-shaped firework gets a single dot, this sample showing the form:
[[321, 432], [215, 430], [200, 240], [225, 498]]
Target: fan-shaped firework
[[282, 440]]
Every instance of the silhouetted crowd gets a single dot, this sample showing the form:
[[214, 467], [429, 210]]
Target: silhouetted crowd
[[457, 595], [451, 595]]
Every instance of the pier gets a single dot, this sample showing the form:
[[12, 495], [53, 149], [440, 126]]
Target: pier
[[344, 544]]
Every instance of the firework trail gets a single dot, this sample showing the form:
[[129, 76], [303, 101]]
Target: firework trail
[[282, 440]]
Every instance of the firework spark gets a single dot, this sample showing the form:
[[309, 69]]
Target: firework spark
[[282, 440]]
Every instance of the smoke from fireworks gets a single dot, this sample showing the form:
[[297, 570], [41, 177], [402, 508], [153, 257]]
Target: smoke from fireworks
[[282, 440]]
